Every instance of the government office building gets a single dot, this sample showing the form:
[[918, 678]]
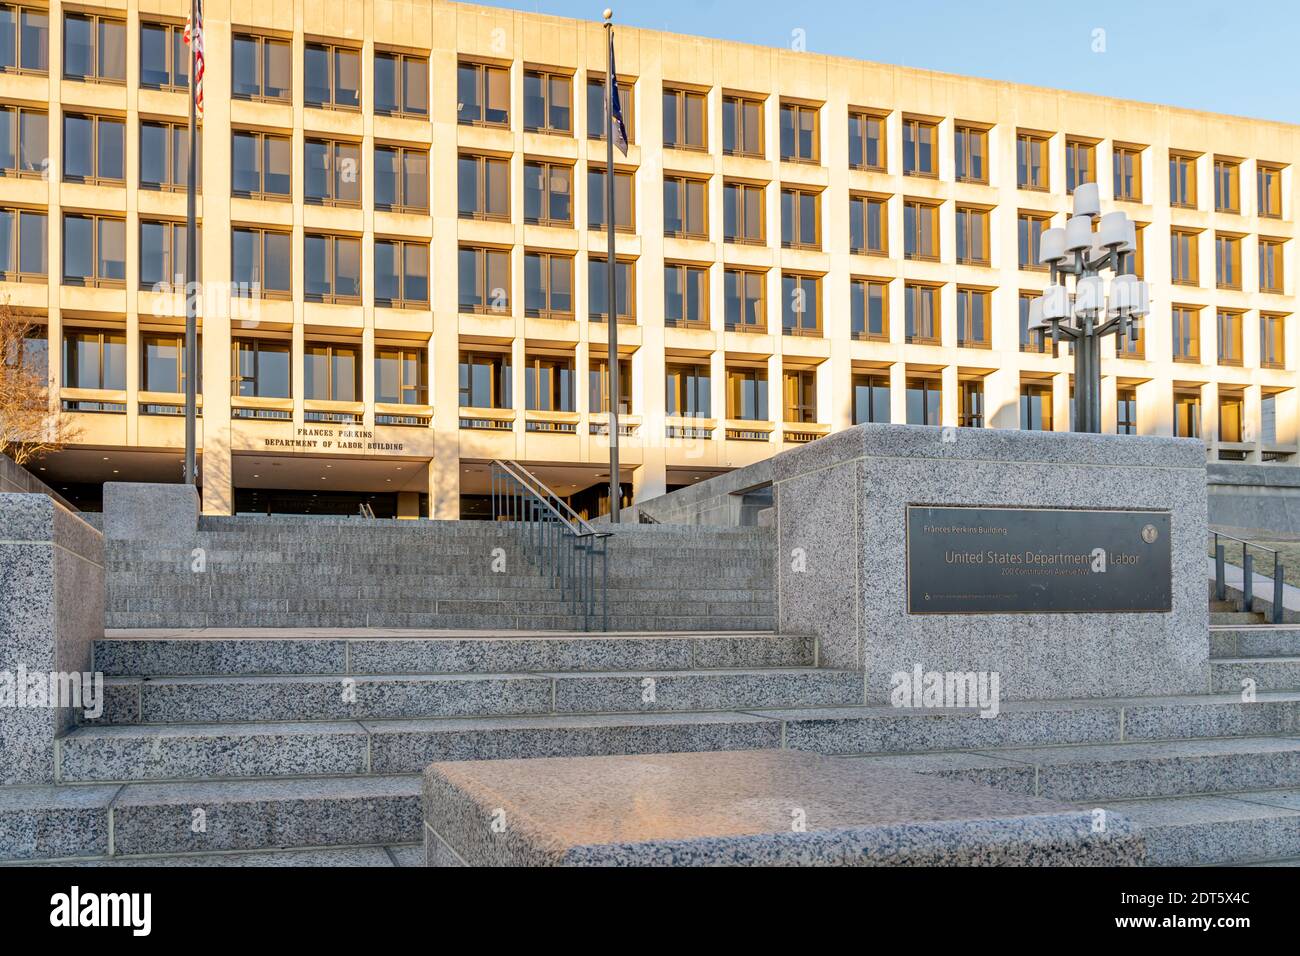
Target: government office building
[[403, 252]]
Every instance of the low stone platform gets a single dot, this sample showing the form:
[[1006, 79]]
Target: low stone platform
[[750, 808]]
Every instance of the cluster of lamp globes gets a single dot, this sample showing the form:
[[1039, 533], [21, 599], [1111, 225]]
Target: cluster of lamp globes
[[1084, 253]]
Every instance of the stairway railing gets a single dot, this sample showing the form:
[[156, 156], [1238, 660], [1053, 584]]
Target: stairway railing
[[559, 541], [1247, 573]]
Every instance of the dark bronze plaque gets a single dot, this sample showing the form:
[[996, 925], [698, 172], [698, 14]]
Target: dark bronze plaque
[[1037, 560]]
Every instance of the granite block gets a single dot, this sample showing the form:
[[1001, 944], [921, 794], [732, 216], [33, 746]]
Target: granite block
[[164, 514], [1196, 831], [704, 690], [1263, 673], [195, 654], [47, 821], [365, 856]]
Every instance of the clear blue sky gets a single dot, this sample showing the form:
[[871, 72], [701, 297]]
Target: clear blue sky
[[1226, 57]]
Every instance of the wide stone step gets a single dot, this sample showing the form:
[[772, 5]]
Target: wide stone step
[[1121, 771], [876, 729], [306, 652], [1262, 641], [1235, 618], [38, 823], [351, 856], [240, 751], [171, 700], [1247, 827], [1260, 673]]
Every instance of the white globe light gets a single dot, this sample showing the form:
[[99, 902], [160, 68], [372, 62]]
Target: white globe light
[[1087, 201], [1051, 246], [1078, 233], [1112, 229]]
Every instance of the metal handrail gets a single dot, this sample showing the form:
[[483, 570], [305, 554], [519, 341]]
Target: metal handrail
[[1247, 574], [565, 547], [366, 511]]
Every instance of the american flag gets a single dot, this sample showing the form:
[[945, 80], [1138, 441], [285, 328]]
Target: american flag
[[194, 38]]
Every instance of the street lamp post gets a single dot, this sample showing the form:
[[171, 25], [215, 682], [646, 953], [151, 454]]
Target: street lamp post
[[1083, 317]]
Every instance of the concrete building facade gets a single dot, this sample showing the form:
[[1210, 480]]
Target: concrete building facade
[[400, 205]]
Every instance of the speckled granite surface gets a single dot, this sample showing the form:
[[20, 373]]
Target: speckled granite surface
[[755, 808]]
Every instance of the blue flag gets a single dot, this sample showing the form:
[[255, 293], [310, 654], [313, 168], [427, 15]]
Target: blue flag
[[614, 104]]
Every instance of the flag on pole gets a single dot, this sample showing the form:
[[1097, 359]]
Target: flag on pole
[[194, 39], [614, 104]]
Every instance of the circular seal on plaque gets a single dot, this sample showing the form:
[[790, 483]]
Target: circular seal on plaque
[[1149, 534]]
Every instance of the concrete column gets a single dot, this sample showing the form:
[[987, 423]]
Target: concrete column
[[948, 409], [898, 393]]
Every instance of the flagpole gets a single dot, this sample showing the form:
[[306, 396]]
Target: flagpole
[[615, 490], [191, 260]]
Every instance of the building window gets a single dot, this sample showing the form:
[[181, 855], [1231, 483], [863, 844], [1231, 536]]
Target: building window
[[685, 207], [598, 290], [94, 359], [1271, 277], [1126, 411], [262, 368], [94, 149], [972, 235], [1080, 164], [24, 245], [1035, 408], [485, 380], [974, 313], [743, 213], [1127, 163], [598, 386], [548, 102], [332, 76], [1187, 414], [801, 311], [688, 391], [1268, 184], [164, 57], [1227, 185], [1184, 268], [799, 388], [1031, 161], [1029, 341], [744, 300], [401, 179], [401, 375], [1272, 340], [924, 396], [684, 119], [261, 165], [24, 141], [596, 108], [162, 254], [920, 148], [1186, 322], [972, 150], [331, 268], [922, 313], [867, 141], [1029, 233], [401, 84], [331, 372], [165, 157], [331, 172], [484, 280], [24, 39], [94, 250], [970, 403], [686, 295], [261, 263], [261, 69], [401, 273], [742, 126], [548, 194], [624, 220], [548, 383], [869, 309], [1182, 180], [1229, 324], [484, 187], [1227, 261], [483, 95], [747, 394], [920, 229], [1130, 263], [800, 133], [800, 219], [548, 285], [1231, 409], [162, 362], [870, 399], [94, 48], [868, 226]]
